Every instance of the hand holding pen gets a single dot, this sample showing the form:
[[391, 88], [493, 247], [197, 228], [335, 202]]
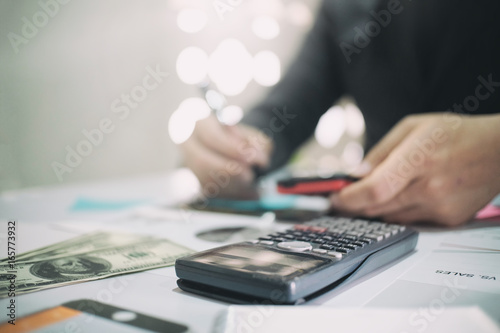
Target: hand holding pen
[[225, 158]]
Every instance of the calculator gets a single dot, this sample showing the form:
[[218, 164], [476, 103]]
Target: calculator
[[295, 265]]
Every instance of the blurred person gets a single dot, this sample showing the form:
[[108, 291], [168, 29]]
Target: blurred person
[[425, 74]]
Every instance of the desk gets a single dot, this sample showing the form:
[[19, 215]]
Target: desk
[[46, 216]]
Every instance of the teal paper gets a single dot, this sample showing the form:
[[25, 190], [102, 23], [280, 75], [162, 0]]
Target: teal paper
[[265, 203], [87, 204]]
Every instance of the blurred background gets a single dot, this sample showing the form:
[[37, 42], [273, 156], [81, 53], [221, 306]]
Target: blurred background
[[93, 89]]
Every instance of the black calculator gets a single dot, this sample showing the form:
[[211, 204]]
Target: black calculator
[[295, 265]]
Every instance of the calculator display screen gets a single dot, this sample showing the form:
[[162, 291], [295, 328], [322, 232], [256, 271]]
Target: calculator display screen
[[255, 259]]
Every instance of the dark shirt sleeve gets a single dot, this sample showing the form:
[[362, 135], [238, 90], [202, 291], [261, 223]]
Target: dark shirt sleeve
[[291, 110]]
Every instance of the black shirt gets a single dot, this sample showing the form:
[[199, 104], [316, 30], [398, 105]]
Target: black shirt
[[394, 58]]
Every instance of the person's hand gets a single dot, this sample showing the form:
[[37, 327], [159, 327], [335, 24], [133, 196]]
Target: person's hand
[[222, 158], [440, 168]]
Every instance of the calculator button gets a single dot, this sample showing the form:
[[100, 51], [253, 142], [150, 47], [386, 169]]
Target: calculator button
[[266, 242], [320, 251], [265, 238], [343, 240], [327, 247], [374, 237], [365, 240], [354, 234], [350, 247], [318, 241], [343, 250], [335, 254], [279, 239], [295, 246], [393, 231], [385, 234], [360, 244]]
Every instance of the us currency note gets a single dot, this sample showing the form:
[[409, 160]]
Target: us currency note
[[42, 273], [85, 243]]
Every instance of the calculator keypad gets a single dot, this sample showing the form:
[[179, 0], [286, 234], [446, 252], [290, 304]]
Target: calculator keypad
[[332, 236]]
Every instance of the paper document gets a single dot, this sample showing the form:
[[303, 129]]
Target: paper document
[[462, 271], [272, 319]]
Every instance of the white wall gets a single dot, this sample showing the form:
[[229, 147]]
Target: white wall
[[63, 79]]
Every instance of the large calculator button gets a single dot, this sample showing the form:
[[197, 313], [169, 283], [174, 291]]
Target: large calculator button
[[295, 246], [375, 237], [384, 233], [335, 254]]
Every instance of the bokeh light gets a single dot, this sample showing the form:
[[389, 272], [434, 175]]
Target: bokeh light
[[352, 154], [183, 120], [230, 67], [299, 14], [192, 65], [191, 20], [267, 68], [231, 114], [273, 8], [265, 27], [355, 126], [331, 127]]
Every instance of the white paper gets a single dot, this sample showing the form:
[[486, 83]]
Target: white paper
[[274, 319]]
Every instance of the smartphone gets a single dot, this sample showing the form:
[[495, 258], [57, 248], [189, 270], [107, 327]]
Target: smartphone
[[315, 185], [285, 208], [90, 316]]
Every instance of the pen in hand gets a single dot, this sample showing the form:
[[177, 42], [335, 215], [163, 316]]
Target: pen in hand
[[217, 102]]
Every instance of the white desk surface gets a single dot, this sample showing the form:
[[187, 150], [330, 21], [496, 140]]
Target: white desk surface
[[45, 216]]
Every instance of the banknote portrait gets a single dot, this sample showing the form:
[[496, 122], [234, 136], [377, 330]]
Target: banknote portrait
[[70, 268]]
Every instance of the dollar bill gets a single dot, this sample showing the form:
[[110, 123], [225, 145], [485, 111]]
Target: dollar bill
[[42, 273], [85, 243]]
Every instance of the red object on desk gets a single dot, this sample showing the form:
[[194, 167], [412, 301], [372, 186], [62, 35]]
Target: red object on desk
[[314, 186], [488, 212]]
